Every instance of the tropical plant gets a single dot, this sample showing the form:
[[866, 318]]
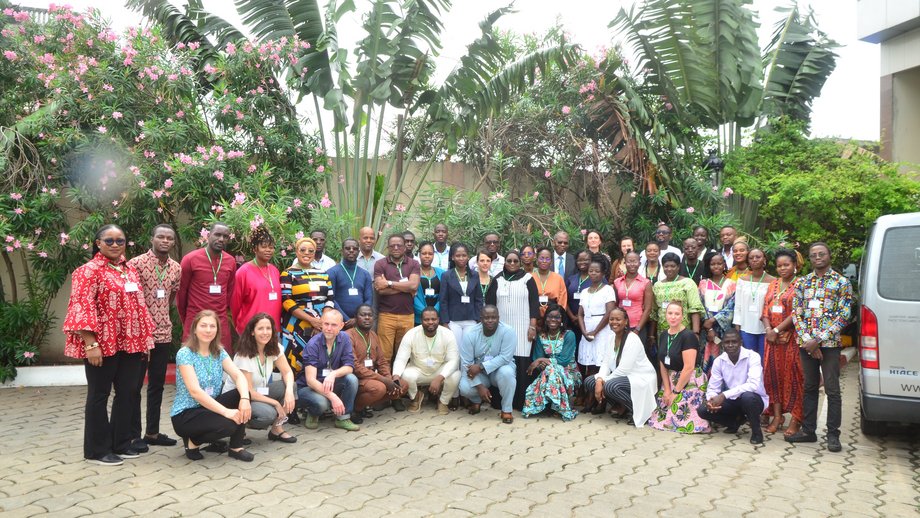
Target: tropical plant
[[391, 74]]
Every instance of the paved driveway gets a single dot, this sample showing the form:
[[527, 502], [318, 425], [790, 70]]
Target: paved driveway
[[459, 465]]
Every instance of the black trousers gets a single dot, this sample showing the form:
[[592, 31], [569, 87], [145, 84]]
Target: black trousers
[[829, 365], [156, 378], [616, 390], [100, 434], [204, 426], [748, 406], [524, 380]]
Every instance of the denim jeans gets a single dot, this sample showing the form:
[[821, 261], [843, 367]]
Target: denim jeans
[[829, 365], [317, 404]]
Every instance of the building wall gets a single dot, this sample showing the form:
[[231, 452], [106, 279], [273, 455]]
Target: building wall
[[905, 109]]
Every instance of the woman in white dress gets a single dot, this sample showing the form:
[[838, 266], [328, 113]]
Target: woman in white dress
[[627, 380], [597, 300]]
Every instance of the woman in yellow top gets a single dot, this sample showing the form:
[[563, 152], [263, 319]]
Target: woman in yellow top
[[676, 288], [740, 251]]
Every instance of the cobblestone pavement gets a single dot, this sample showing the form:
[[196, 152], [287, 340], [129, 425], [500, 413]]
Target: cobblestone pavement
[[458, 465]]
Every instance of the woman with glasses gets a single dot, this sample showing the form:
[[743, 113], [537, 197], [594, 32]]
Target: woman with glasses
[[305, 292], [109, 328], [528, 258], [550, 285], [514, 292], [554, 359]]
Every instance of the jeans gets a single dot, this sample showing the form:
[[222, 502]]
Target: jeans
[[156, 378], [616, 390], [503, 376], [391, 328], [829, 365], [317, 404], [747, 406], [264, 415], [100, 435], [754, 343], [201, 425]]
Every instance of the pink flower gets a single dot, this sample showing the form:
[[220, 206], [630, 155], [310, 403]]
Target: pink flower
[[9, 249], [668, 106], [311, 206], [10, 55], [18, 210], [231, 49], [209, 68], [297, 202], [16, 196], [219, 175], [321, 169], [64, 239], [298, 235], [168, 183], [536, 194], [28, 354], [325, 202], [690, 210], [400, 207], [85, 246], [584, 231], [566, 110], [103, 129], [204, 233], [547, 174], [158, 194], [727, 192], [251, 168], [117, 115], [43, 255], [9, 238], [180, 114]]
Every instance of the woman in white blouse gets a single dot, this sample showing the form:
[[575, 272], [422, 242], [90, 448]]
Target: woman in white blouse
[[626, 378], [750, 292]]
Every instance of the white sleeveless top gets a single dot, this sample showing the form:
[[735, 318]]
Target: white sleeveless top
[[513, 301]]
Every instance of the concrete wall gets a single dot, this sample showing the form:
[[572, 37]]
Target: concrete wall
[[906, 115], [879, 20]]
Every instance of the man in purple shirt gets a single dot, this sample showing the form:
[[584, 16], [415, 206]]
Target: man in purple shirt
[[396, 280], [327, 380], [735, 392]]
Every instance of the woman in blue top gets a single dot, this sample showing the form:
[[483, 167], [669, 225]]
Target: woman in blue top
[[461, 293], [429, 285], [200, 413]]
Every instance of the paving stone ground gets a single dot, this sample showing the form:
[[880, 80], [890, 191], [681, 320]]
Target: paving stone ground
[[459, 465]]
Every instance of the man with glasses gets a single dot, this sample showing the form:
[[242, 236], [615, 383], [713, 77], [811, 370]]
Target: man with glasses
[[563, 261], [321, 261], [441, 248], [820, 310], [490, 245], [663, 238], [351, 284], [396, 279], [207, 280]]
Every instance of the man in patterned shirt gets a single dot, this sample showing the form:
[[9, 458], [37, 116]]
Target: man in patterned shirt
[[159, 275], [821, 309]]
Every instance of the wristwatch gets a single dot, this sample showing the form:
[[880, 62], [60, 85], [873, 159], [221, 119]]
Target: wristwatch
[[90, 347], [389, 284], [775, 330]]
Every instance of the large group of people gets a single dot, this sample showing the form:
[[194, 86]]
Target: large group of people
[[678, 339]]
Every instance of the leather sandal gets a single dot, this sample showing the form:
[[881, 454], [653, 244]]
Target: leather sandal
[[775, 424], [281, 438], [507, 417]]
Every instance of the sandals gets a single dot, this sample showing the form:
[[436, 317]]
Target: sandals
[[474, 408], [775, 424], [281, 438], [507, 417], [794, 428]]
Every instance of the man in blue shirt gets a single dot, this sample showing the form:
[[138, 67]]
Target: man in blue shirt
[[327, 380], [352, 285], [486, 359]]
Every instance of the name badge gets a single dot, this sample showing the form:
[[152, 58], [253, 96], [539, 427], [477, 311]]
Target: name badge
[[315, 286], [429, 362], [626, 303], [487, 358], [753, 309], [262, 390], [353, 292], [814, 304], [776, 309], [369, 363], [214, 288], [465, 299], [544, 299], [161, 294], [130, 287], [667, 360], [577, 295], [273, 296], [209, 391], [429, 292], [403, 279], [327, 373]]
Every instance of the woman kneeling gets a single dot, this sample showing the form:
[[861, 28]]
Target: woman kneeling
[[197, 416]]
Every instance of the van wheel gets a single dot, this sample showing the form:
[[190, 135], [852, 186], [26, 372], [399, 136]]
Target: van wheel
[[871, 427]]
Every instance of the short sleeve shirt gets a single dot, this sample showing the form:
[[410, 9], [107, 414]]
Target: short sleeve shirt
[[261, 373], [209, 371], [683, 341]]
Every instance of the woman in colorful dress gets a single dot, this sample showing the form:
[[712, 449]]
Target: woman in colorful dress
[[683, 384], [257, 285], [676, 287], [109, 328], [554, 358], [783, 376], [740, 250], [717, 293], [627, 379], [634, 293], [429, 284], [514, 292], [305, 292], [550, 285], [597, 301], [750, 293]]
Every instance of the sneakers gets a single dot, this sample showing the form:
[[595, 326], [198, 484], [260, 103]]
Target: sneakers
[[311, 422], [416, 405], [833, 444], [802, 436], [130, 453], [347, 425], [443, 409], [109, 459]]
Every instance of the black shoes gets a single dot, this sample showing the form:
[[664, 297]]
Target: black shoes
[[802, 436], [109, 459], [217, 447], [191, 453], [367, 414], [757, 437], [356, 418], [281, 438], [140, 446], [242, 455], [293, 418], [833, 444], [130, 453], [159, 440]]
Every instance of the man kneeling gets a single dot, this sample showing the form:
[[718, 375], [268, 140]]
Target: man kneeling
[[428, 356], [327, 380], [375, 383], [736, 391], [486, 359]]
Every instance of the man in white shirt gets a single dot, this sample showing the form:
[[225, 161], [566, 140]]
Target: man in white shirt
[[441, 248], [321, 261], [428, 355], [663, 237], [736, 392], [490, 245]]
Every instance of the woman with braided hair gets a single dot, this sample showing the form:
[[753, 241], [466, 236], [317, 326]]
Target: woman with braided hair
[[257, 287]]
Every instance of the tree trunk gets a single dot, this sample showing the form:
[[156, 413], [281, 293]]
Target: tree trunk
[[14, 290]]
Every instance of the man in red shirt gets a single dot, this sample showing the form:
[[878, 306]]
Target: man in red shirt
[[207, 283], [159, 275], [396, 280]]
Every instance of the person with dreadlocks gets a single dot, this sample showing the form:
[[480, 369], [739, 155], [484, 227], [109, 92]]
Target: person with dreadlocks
[[257, 288]]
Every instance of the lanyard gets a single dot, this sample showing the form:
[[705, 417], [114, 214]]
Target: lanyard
[[649, 277], [485, 288], [694, 268], [351, 276], [754, 288], [264, 273], [628, 286], [329, 355], [592, 289], [262, 370], [122, 273], [211, 263], [432, 343], [160, 273], [366, 343], [581, 282], [543, 285], [670, 338]]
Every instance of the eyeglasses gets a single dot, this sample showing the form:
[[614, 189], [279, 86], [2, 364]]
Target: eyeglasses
[[562, 242], [816, 255], [662, 232], [512, 261], [491, 241], [350, 248], [396, 246], [553, 317], [528, 254], [112, 241]]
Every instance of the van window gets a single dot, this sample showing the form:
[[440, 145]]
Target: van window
[[899, 268]]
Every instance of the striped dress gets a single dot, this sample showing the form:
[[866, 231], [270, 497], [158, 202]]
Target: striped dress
[[309, 290]]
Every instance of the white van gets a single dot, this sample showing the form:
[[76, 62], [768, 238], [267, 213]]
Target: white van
[[889, 323]]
